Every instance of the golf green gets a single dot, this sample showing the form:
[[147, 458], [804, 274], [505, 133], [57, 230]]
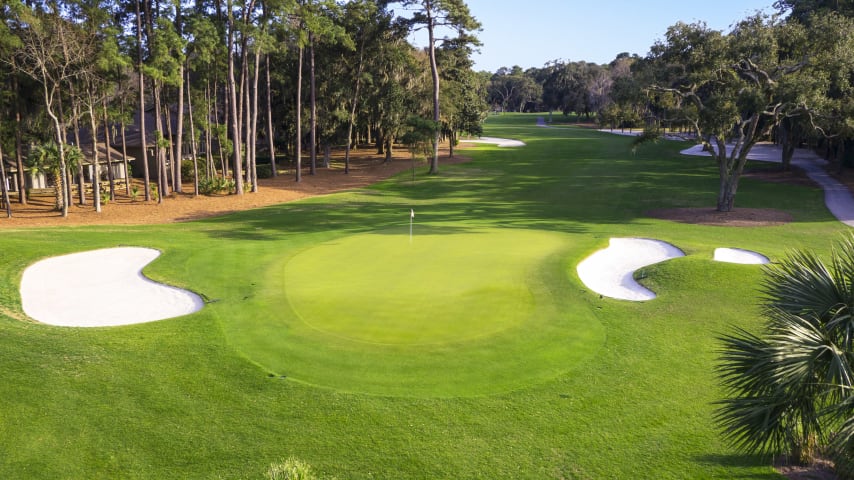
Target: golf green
[[436, 289], [441, 314]]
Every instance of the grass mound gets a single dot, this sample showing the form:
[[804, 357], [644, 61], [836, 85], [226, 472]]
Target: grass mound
[[453, 314]]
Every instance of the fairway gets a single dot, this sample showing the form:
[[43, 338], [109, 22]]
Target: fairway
[[475, 351]]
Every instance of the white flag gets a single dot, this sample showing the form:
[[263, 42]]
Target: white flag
[[411, 213]]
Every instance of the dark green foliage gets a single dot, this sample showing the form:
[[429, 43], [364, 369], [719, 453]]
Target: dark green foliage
[[187, 168], [215, 185], [264, 170], [790, 387]]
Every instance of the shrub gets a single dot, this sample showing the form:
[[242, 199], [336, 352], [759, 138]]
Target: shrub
[[264, 171], [187, 168], [214, 185], [791, 387]]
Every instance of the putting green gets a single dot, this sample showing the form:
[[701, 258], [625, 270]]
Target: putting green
[[423, 292], [456, 314]]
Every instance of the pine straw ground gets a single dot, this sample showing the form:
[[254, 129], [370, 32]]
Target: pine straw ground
[[366, 167]]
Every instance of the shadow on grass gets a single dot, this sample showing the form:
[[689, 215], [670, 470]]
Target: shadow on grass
[[735, 462], [555, 183]]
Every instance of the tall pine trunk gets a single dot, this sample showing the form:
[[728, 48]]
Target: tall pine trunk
[[3, 185], [434, 70], [192, 137], [159, 151], [19, 145], [232, 98], [143, 139], [313, 120], [81, 179], [179, 133], [247, 114], [353, 103], [110, 177], [128, 176], [299, 117], [254, 123], [169, 151], [96, 175], [270, 136]]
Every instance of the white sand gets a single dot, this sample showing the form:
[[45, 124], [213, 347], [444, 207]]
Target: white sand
[[101, 288], [738, 255], [610, 272], [501, 142]]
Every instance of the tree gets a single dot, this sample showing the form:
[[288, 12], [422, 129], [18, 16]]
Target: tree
[[141, 90], [434, 14], [232, 99], [53, 53], [801, 10], [513, 89], [463, 101], [724, 86], [11, 97], [363, 18], [825, 88], [318, 25], [3, 188], [790, 387]]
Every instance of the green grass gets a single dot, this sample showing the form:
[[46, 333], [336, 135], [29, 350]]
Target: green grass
[[474, 352]]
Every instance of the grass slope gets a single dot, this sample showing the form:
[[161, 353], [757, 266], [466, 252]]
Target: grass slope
[[223, 392]]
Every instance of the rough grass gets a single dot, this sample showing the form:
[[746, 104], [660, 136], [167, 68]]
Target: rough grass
[[225, 392]]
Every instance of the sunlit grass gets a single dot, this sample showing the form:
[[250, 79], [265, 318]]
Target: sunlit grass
[[570, 385]]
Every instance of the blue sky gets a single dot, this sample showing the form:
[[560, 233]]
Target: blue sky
[[533, 32]]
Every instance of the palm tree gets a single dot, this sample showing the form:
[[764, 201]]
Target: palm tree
[[45, 159], [790, 389]]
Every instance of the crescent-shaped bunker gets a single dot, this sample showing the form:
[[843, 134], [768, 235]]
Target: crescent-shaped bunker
[[610, 272]]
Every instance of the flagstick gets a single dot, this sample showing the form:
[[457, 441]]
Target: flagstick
[[411, 217]]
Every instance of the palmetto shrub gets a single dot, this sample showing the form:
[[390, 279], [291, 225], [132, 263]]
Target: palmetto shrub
[[790, 387]]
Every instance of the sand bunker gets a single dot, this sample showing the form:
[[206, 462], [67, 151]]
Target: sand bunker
[[101, 288], [610, 272], [737, 255], [501, 142]]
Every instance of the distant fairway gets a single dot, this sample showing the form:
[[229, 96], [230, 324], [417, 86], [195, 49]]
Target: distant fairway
[[455, 314]]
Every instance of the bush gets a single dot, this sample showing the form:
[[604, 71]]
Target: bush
[[213, 185], [264, 171], [187, 168]]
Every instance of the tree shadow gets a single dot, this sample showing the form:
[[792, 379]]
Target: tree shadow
[[735, 462]]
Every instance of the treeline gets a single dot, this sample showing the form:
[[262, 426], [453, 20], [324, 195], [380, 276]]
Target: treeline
[[787, 77], [213, 93]]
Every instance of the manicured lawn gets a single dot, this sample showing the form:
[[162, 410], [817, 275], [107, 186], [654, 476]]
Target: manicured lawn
[[472, 352]]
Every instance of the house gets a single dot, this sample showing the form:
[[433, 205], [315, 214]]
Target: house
[[38, 180]]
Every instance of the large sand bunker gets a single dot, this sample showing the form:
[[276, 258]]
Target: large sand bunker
[[101, 288], [610, 272]]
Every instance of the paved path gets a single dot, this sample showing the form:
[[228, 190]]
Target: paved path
[[837, 197]]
